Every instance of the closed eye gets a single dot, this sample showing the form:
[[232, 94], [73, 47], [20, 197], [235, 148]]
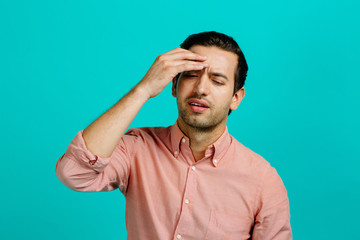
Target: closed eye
[[189, 75], [218, 82]]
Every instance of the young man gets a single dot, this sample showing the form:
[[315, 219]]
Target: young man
[[191, 180]]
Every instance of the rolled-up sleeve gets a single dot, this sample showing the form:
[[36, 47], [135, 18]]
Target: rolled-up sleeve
[[273, 217], [83, 171]]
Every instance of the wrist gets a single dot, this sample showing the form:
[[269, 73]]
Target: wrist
[[141, 92]]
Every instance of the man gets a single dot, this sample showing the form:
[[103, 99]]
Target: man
[[191, 180]]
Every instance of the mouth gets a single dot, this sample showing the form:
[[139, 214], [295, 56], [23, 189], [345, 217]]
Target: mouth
[[198, 106]]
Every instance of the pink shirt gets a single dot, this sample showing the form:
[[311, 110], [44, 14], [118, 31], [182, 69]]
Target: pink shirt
[[232, 193]]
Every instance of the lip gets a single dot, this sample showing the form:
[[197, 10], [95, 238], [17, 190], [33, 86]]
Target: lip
[[197, 101], [199, 108]]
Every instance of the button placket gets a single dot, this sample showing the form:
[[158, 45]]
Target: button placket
[[186, 209]]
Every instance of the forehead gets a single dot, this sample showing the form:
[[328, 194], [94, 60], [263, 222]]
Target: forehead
[[219, 60]]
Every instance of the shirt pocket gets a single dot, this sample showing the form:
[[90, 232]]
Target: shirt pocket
[[225, 226]]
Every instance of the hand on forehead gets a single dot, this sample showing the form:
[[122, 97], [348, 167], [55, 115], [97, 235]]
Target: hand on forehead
[[219, 60]]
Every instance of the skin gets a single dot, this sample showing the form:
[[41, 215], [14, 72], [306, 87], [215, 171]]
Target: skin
[[102, 135], [203, 129]]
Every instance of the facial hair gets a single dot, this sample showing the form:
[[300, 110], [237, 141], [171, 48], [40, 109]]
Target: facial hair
[[207, 122]]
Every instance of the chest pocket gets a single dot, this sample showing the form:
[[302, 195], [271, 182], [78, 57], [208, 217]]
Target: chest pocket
[[224, 226]]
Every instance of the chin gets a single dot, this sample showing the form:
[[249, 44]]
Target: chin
[[200, 124], [200, 121]]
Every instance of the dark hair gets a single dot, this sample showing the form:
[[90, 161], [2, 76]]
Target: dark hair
[[224, 42]]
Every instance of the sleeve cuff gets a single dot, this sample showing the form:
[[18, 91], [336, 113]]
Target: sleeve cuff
[[78, 151]]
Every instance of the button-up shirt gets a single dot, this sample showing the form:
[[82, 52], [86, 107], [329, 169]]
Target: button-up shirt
[[231, 193]]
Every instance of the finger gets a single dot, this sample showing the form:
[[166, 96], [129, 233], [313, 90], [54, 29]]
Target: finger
[[182, 50], [186, 55], [181, 62], [190, 66], [175, 50]]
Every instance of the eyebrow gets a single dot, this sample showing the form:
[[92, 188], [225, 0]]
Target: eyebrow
[[217, 74], [220, 75]]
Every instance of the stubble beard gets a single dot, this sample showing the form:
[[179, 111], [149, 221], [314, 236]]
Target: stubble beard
[[202, 123]]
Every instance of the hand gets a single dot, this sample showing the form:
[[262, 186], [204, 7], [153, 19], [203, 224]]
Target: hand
[[167, 66]]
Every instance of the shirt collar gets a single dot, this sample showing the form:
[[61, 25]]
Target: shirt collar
[[217, 149]]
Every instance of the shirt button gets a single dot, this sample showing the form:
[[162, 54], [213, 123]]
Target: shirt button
[[92, 162], [178, 236], [215, 161], [176, 152], [193, 168], [187, 201], [183, 140]]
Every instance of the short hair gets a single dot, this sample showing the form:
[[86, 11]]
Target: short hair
[[224, 42]]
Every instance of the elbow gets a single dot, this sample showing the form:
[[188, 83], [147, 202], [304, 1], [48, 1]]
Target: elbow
[[65, 177], [69, 173]]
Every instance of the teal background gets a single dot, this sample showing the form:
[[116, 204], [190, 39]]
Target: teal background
[[64, 63]]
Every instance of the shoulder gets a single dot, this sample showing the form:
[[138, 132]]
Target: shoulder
[[148, 133], [249, 157], [260, 168], [142, 138], [269, 182]]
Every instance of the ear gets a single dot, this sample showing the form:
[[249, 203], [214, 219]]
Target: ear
[[236, 99], [174, 87]]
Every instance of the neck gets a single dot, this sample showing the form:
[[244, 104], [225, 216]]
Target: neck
[[201, 138]]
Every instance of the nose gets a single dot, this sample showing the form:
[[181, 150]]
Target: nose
[[202, 85]]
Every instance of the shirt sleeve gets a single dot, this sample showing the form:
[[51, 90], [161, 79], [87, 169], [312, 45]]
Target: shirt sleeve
[[273, 218], [83, 171]]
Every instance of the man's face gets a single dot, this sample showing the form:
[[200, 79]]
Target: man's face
[[204, 97]]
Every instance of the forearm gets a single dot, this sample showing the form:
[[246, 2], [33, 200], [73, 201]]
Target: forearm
[[102, 136]]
